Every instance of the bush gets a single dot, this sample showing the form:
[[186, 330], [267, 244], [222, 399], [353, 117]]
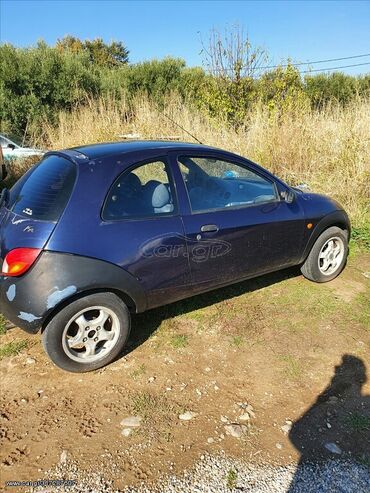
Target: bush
[[337, 87], [37, 82]]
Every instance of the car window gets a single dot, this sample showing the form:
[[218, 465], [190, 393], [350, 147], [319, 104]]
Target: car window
[[218, 184], [44, 191], [143, 191]]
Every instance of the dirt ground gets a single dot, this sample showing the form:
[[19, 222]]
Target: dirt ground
[[295, 351]]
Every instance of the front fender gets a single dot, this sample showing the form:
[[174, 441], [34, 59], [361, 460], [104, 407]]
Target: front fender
[[29, 301], [337, 218]]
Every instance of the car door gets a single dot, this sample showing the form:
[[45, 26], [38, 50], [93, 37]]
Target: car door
[[237, 225], [142, 207]]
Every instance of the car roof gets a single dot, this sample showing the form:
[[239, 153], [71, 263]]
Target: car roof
[[96, 151]]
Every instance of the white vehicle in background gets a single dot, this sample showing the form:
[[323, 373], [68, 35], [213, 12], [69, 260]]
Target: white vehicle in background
[[11, 150]]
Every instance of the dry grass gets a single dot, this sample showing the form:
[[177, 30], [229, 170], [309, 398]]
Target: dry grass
[[328, 150]]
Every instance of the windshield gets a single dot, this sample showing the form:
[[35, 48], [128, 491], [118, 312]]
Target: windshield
[[43, 192]]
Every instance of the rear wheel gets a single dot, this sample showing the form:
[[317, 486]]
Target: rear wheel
[[327, 257], [88, 333]]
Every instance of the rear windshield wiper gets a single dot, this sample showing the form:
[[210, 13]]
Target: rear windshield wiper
[[4, 197]]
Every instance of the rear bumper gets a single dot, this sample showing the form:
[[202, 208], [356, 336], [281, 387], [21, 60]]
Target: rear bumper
[[29, 301]]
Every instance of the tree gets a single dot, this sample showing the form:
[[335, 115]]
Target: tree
[[231, 56], [101, 54], [69, 43], [232, 64], [282, 88]]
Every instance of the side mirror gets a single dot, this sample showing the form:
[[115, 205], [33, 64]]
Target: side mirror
[[11, 146], [288, 196]]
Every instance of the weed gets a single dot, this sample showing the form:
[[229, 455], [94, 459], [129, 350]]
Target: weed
[[237, 341], [361, 236], [197, 315], [143, 403], [363, 314], [12, 348], [293, 367], [179, 341], [231, 479], [158, 408], [141, 370]]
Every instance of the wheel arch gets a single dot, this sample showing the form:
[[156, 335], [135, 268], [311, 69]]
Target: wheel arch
[[337, 219], [125, 297]]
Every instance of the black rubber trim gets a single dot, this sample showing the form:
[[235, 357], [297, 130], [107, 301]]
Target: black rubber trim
[[337, 218]]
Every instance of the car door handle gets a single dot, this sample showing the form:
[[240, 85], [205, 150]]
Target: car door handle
[[209, 228]]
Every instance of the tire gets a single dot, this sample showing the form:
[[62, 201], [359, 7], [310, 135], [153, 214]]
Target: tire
[[95, 340], [325, 261]]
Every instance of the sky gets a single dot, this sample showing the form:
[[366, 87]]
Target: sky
[[302, 30]]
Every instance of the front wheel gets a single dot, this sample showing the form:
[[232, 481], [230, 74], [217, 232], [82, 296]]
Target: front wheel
[[327, 257], [88, 333]]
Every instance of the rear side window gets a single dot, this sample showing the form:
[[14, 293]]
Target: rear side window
[[43, 192], [143, 191]]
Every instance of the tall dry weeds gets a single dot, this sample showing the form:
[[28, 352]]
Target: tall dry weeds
[[329, 150]]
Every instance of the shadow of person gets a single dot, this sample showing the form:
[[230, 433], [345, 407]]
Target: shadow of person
[[336, 426]]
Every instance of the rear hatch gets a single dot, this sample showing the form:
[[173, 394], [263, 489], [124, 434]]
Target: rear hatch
[[35, 204]]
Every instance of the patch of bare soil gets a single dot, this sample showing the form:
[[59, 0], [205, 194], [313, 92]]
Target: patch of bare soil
[[282, 359]]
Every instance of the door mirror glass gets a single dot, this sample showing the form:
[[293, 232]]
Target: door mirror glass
[[288, 196]]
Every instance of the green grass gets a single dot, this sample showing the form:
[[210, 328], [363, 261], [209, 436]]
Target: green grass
[[179, 341], [143, 403], [293, 368], [138, 372], [231, 479], [358, 422], [2, 324], [199, 315], [308, 295], [12, 348], [153, 407], [360, 236], [363, 314], [237, 341], [158, 412]]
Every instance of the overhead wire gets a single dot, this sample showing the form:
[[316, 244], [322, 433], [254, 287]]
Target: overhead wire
[[315, 61]]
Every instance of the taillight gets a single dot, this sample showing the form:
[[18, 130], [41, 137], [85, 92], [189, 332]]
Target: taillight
[[19, 260]]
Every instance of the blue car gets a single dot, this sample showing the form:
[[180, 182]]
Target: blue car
[[91, 235]]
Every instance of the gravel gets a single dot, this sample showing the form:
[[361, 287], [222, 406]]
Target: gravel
[[210, 475]]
